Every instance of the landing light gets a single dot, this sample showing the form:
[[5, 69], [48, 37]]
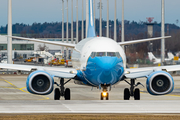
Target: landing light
[[104, 94]]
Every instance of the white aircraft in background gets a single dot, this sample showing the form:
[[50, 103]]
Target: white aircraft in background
[[170, 55], [97, 62], [158, 60]]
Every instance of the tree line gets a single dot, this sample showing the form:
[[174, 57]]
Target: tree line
[[133, 30]]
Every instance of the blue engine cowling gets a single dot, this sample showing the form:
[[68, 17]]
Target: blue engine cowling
[[160, 83], [40, 82]]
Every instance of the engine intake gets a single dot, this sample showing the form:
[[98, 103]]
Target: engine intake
[[160, 83], [40, 82]]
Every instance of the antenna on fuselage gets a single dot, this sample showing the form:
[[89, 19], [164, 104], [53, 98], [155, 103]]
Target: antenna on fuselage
[[91, 30]]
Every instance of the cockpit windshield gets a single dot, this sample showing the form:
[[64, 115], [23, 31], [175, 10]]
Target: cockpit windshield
[[102, 54], [112, 54]]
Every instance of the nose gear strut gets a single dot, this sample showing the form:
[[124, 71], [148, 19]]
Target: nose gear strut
[[132, 92]]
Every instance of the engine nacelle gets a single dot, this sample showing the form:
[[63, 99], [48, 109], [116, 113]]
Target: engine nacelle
[[40, 82], [160, 83]]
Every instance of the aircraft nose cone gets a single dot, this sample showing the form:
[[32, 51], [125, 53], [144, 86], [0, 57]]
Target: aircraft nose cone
[[107, 66], [103, 70]]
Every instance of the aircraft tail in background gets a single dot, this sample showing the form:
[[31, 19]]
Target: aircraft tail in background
[[170, 55], [91, 30], [157, 60], [151, 56]]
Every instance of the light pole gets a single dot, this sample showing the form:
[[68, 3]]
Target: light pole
[[162, 34], [63, 26], [9, 32], [122, 24], [94, 16], [72, 24], [82, 36], [67, 37], [115, 37], [87, 17], [100, 18], [77, 21], [107, 32]]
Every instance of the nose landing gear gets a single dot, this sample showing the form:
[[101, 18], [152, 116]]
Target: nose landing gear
[[132, 92], [104, 94]]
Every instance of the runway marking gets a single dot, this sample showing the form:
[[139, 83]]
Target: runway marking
[[10, 83], [67, 107], [45, 98], [164, 95], [21, 89]]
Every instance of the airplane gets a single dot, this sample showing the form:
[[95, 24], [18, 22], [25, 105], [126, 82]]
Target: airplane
[[157, 60], [170, 55], [97, 62]]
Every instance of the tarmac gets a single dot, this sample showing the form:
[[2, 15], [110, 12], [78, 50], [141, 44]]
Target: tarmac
[[14, 98]]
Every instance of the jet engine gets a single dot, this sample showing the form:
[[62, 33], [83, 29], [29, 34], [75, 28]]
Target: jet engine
[[40, 82], [160, 83]]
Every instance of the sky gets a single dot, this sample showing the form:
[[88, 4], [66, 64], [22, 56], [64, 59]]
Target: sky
[[40, 11]]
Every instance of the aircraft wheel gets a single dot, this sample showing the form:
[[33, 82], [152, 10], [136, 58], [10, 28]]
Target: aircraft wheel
[[126, 94], [137, 94], [56, 94], [102, 96], [67, 94], [107, 97]]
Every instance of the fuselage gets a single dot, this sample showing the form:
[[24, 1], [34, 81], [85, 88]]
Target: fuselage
[[99, 61]]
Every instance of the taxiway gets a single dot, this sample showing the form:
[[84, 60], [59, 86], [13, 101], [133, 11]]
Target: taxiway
[[14, 98]]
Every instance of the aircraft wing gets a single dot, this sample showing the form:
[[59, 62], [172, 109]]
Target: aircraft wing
[[54, 71], [45, 41], [142, 40], [144, 72]]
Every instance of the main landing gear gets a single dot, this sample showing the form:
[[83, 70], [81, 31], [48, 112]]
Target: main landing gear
[[132, 92], [62, 91], [104, 94]]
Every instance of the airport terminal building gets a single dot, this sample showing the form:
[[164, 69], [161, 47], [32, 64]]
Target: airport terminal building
[[25, 48]]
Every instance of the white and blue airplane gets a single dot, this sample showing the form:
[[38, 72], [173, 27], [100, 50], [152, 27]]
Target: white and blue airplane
[[97, 62]]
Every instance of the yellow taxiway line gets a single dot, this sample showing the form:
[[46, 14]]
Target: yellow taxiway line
[[21, 89]]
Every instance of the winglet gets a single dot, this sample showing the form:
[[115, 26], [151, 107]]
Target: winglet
[[91, 30]]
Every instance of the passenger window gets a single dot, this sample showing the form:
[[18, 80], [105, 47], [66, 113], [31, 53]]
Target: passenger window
[[118, 55], [111, 54], [93, 54], [100, 54]]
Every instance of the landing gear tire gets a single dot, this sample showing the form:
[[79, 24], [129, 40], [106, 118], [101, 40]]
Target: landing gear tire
[[56, 94], [102, 96], [61, 91], [126, 94], [107, 97], [67, 94], [137, 94]]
